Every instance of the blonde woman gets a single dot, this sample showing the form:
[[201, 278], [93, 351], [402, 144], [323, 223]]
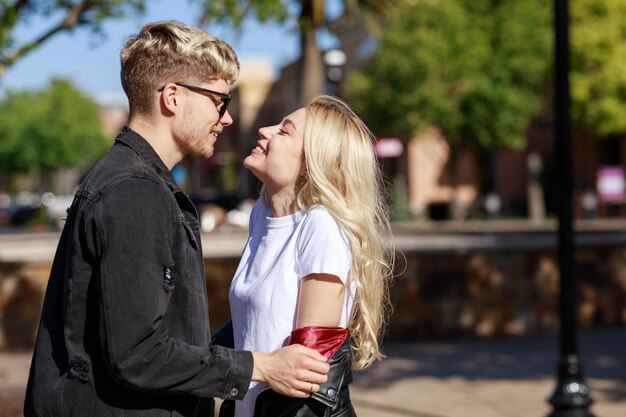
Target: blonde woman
[[315, 268]]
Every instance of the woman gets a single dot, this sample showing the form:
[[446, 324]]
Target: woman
[[315, 268]]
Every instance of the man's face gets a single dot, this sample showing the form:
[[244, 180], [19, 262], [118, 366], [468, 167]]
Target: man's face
[[200, 124]]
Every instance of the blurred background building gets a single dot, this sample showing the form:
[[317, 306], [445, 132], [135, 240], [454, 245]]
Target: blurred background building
[[465, 109]]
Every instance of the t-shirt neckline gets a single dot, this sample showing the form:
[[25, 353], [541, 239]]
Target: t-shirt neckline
[[284, 221]]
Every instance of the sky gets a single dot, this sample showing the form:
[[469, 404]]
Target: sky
[[93, 63]]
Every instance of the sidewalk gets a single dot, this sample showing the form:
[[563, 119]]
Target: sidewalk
[[509, 377]]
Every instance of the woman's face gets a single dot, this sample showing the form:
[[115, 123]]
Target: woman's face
[[277, 158]]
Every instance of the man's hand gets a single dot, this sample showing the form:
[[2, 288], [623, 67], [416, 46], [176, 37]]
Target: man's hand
[[294, 370]]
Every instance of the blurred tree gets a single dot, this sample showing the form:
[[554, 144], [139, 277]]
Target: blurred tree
[[55, 16], [598, 56], [471, 68], [312, 16], [52, 128], [399, 200]]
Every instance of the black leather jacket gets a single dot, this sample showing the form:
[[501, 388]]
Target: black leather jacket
[[332, 400]]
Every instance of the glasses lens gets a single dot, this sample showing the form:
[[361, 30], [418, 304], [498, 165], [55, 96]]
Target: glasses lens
[[224, 107], [221, 107]]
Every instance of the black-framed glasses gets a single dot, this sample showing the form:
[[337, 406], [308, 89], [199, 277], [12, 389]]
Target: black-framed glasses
[[220, 108]]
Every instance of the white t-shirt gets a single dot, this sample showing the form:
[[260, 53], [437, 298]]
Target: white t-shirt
[[264, 292]]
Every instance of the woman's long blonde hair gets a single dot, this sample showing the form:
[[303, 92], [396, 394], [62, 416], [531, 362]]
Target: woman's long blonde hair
[[343, 175]]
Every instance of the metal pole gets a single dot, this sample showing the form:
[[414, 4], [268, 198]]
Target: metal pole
[[571, 397]]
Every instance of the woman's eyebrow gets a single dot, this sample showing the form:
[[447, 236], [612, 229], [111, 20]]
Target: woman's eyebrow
[[289, 122]]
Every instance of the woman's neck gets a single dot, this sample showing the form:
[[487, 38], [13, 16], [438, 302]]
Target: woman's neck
[[283, 203]]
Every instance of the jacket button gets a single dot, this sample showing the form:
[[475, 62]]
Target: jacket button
[[331, 393], [234, 392]]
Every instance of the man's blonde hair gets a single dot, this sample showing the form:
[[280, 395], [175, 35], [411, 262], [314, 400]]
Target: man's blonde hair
[[164, 52]]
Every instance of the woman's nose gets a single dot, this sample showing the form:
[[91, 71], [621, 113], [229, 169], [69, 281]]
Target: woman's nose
[[265, 133]]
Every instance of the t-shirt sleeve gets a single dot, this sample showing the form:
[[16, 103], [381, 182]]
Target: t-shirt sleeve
[[322, 247]]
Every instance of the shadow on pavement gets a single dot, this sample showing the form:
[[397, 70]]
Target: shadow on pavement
[[602, 352]]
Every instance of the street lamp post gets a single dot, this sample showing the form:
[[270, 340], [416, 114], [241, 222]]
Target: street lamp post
[[571, 397], [334, 61]]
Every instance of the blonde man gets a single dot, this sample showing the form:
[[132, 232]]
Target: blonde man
[[124, 329]]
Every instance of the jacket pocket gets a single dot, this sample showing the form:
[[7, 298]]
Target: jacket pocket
[[190, 236], [184, 255], [194, 261]]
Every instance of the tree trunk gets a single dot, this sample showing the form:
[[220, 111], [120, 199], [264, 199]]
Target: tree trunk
[[311, 72]]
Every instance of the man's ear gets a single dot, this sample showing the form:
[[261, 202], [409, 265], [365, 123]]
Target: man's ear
[[170, 98]]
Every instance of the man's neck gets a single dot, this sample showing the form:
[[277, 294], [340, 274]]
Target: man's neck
[[160, 138]]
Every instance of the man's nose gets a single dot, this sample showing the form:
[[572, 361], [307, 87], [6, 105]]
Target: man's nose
[[226, 119]]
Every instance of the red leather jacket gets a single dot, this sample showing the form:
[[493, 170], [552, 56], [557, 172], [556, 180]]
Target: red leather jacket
[[333, 398]]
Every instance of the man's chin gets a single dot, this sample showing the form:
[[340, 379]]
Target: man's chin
[[201, 153]]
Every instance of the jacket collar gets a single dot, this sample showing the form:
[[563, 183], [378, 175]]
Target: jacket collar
[[135, 141]]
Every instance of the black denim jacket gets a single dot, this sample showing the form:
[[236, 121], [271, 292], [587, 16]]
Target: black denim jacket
[[124, 329]]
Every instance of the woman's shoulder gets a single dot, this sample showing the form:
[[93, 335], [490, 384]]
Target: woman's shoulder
[[321, 238], [319, 220], [319, 213]]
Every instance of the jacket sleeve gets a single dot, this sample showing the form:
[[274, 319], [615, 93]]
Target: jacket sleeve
[[133, 224], [333, 398]]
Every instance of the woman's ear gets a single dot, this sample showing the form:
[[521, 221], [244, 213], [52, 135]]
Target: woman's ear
[[301, 181], [303, 176]]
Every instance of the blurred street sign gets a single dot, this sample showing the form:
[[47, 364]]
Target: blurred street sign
[[611, 184], [388, 147]]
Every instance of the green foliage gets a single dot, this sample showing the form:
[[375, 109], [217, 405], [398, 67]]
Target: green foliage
[[598, 59], [42, 130], [473, 68], [62, 15], [311, 16], [235, 11]]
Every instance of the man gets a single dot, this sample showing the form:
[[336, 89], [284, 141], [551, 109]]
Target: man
[[124, 329]]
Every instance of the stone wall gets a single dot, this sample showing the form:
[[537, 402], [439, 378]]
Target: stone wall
[[478, 294], [486, 294]]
